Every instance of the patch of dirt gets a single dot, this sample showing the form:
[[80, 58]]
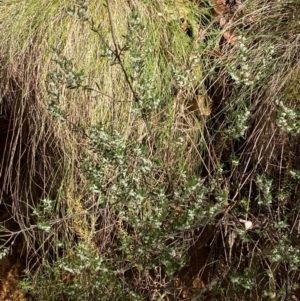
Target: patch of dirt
[[194, 278], [10, 271], [11, 265]]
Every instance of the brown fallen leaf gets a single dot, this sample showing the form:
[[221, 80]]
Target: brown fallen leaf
[[203, 105], [219, 6], [177, 283], [198, 283], [186, 294], [230, 37], [223, 22]]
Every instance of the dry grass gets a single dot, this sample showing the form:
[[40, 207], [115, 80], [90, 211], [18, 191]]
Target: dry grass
[[42, 156], [48, 148]]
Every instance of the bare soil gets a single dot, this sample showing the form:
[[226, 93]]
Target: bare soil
[[12, 265]]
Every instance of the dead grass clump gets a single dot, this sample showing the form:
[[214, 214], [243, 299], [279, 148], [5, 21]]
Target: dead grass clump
[[259, 158], [40, 169], [108, 171]]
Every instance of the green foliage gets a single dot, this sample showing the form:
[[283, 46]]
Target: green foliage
[[150, 206], [141, 206]]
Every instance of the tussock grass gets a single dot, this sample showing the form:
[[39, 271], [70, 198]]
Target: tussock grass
[[244, 151], [34, 27], [260, 184], [41, 160]]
